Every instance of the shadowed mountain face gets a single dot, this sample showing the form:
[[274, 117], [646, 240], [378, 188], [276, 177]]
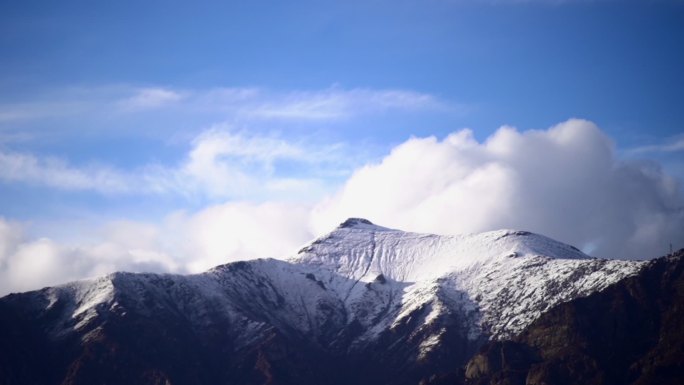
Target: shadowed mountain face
[[630, 333], [159, 343], [361, 305], [144, 334]]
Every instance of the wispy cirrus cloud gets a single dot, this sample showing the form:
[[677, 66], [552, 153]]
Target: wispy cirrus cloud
[[324, 104], [220, 163], [57, 173], [675, 144], [151, 98], [236, 103], [225, 163], [337, 103]]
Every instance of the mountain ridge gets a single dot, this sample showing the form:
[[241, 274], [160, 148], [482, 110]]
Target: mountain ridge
[[629, 333], [362, 293]]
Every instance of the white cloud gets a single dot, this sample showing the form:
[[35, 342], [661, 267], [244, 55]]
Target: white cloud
[[564, 182], [223, 163], [57, 173], [238, 231], [338, 103], [220, 163], [97, 105], [220, 141], [27, 264], [10, 236], [674, 145], [182, 243], [151, 98]]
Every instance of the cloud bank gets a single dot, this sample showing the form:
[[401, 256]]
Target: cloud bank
[[565, 182], [182, 243], [27, 264]]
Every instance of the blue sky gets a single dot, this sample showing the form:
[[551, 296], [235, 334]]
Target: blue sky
[[527, 63], [145, 112]]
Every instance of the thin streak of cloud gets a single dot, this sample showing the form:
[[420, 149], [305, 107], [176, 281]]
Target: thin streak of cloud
[[151, 98], [246, 103], [675, 145], [57, 173], [338, 104]]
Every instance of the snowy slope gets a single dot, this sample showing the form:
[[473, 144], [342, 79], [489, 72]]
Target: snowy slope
[[380, 280], [502, 280]]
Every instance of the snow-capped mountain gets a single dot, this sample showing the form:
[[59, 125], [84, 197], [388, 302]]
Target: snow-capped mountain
[[501, 279], [363, 302]]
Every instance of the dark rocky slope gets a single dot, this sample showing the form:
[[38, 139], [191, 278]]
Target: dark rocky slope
[[126, 344], [630, 333]]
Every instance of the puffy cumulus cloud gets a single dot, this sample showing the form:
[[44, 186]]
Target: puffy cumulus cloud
[[10, 235], [27, 264], [182, 243], [237, 231], [564, 182]]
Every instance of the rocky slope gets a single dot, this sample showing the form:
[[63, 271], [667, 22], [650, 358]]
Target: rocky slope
[[630, 333], [363, 304]]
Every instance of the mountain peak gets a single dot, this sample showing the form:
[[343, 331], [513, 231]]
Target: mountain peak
[[355, 222], [360, 250], [360, 224]]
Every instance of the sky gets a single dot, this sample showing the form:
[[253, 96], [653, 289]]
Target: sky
[[172, 137]]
